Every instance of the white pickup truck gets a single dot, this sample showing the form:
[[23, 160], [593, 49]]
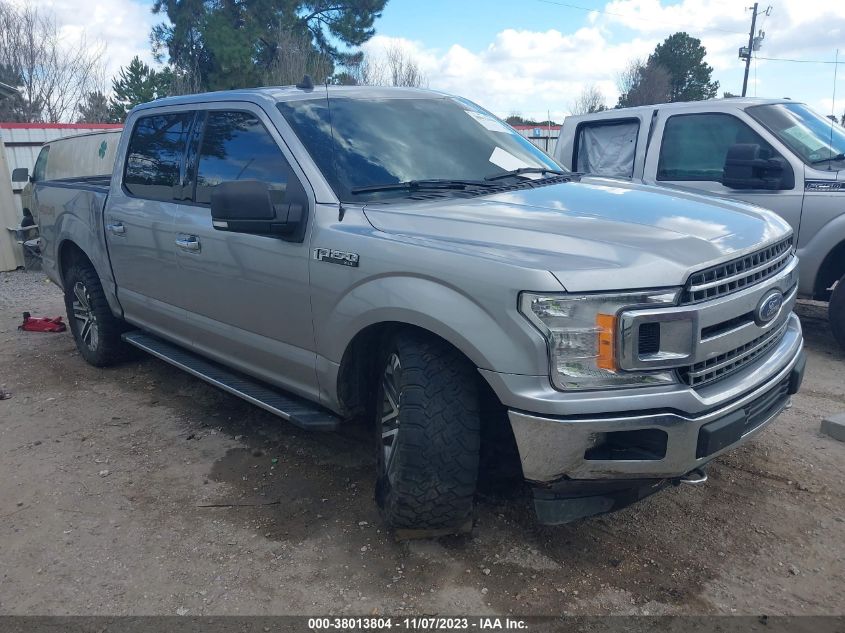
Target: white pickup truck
[[774, 153]]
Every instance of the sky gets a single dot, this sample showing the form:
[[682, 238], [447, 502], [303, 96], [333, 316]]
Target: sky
[[534, 57]]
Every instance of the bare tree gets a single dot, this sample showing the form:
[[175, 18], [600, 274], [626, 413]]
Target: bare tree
[[643, 83], [53, 75], [295, 56], [394, 67], [590, 100]]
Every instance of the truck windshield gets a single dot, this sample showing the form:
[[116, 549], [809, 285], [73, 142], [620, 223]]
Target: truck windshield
[[364, 145], [816, 139]]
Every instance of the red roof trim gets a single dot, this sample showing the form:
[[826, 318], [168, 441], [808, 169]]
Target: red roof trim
[[518, 127], [60, 126]]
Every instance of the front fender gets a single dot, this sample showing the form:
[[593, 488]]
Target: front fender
[[813, 253], [499, 340]]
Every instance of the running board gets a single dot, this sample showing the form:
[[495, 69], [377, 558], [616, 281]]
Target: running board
[[297, 411]]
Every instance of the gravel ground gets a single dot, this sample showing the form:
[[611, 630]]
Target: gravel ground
[[141, 490]]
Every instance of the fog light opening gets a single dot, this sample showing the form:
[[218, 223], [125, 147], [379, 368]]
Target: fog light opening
[[642, 444]]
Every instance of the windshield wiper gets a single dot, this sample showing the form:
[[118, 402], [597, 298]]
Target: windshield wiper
[[528, 170], [824, 160], [416, 185]]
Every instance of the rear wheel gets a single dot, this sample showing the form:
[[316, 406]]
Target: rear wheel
[[836, 312], [428, 431], [95, 329]]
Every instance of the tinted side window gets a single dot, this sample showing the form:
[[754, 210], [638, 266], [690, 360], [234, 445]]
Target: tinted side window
[[695, 145], [154, 158], [39, 172], [236, 146]]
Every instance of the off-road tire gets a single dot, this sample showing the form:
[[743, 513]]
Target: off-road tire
[[836, 312], [108, 348], [433, 480]]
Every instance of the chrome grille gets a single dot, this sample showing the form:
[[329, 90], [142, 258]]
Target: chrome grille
[[731, 361], [738, 273]]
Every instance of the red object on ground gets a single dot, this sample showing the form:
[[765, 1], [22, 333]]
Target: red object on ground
[[42, 324]]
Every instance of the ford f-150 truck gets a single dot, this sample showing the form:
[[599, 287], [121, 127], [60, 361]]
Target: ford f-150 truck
[[403, 257], [776, 153]]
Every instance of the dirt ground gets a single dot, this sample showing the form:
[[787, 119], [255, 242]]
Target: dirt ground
[[111, 481]]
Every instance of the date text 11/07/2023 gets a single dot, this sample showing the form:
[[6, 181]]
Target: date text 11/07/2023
[[418, 623]]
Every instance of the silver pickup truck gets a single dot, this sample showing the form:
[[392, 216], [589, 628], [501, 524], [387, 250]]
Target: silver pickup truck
[[775, 153], [403, 257]]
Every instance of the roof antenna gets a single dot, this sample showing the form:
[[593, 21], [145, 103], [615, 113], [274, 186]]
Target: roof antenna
[[833, 111], [341, 211], [305, 83]]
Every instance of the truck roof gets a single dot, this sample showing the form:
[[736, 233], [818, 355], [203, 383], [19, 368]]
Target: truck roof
[[275, 94], [730, 103]]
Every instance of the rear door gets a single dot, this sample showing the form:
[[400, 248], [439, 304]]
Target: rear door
[[691, 150], [247, 296], [139, 218]]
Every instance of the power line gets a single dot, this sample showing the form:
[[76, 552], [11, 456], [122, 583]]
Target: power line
[[798, 61], [633, 17]]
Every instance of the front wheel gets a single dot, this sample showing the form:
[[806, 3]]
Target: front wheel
[[428, 434], [836, 312], [95, 329]]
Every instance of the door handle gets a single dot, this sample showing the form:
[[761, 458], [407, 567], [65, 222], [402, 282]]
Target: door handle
[[188, 243], [116, 228]]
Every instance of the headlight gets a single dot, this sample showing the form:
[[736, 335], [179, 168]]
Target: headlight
[[581, 333]]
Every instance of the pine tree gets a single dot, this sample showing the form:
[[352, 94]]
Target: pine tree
[[236, 44], [689, 75], [95, 109], [135, 84]]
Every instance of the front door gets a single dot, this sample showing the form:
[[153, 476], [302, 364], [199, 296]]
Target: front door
[[692, 152], [247, 296]]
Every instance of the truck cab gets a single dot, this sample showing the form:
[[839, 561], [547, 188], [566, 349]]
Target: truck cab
[[774, 153]]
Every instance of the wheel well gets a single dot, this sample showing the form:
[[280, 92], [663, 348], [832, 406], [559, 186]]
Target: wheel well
[[70, 253], [356, 388], [831, 271]]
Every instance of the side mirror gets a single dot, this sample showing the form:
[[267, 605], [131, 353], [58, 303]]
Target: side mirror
[[748, 166], [252, 206], [21, 174]]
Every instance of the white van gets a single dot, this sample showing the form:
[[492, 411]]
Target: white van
[[79, 156]]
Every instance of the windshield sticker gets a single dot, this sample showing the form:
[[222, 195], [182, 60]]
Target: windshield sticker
[[488, 122], [507, 161], [806, 138]]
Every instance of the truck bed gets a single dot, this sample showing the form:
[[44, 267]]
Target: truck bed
[[72, 209], [100, 184]]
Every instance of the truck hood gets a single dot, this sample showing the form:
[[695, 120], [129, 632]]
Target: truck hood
[[596, 234]]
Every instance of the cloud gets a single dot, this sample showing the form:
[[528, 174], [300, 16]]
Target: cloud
[[538, 71], [535, 71], [520, 68], [122, 27]]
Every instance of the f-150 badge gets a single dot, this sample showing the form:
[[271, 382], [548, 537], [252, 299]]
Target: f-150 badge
[[336, 257]]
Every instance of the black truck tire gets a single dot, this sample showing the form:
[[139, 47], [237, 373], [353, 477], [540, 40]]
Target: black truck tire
[[95, 329], [836, 312], [427, 476]]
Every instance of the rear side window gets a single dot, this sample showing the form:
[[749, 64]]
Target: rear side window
[[154, 158], [695, 145], [607, 148], [236, 146], [39, 172]]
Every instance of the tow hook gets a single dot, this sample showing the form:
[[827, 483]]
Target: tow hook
[[695, 477]]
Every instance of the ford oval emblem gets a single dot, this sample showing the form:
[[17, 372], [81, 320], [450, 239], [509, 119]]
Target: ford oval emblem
[[769, 307]]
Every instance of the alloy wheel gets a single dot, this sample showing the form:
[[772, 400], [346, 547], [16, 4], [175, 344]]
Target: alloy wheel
[[86, 321], [389, 416]]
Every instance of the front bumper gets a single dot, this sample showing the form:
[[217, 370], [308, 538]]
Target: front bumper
[[658, 444]]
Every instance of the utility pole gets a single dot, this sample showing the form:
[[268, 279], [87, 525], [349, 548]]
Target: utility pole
[[750, 45], [753, 44]]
